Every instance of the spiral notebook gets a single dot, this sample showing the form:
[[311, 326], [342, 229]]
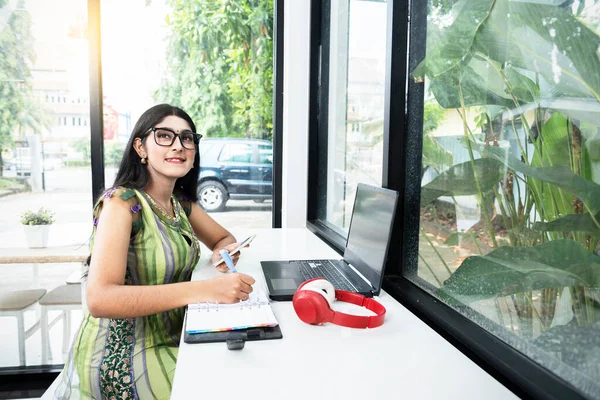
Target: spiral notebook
[[213, 317]]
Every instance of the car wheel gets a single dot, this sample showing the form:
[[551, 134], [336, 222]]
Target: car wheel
[[212, 196], [259, 201]]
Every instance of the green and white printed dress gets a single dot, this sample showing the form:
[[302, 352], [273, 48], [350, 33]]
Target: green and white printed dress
[[135, 358]]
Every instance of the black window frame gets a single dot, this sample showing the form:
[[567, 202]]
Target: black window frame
[[402, 154], [317, 125]]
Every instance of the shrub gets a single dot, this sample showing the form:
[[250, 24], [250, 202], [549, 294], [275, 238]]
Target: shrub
[[41, 217]]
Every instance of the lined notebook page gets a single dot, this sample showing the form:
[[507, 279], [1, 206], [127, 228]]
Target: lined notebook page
[[211, 317]]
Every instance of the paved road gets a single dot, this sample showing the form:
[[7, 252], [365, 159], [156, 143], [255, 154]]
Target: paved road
[[68, 194]]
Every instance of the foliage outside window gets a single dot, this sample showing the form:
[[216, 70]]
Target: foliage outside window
[[220, 65], [21, 113], [510, 197]]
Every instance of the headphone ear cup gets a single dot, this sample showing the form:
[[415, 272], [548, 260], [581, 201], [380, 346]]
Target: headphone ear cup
[[321, 286], [311, 307]]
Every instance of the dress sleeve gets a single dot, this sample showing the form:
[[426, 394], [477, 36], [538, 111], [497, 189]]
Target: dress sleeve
[[127, 195]]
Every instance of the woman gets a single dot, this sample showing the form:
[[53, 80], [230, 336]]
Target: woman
[[144, 248]]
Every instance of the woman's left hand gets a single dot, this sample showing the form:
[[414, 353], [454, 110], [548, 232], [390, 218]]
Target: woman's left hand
[[216, 256]]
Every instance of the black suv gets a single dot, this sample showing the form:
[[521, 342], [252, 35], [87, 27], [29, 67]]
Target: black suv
[[239, 169]]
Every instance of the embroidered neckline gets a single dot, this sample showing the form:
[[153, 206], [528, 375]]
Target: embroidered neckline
[[161, 210]]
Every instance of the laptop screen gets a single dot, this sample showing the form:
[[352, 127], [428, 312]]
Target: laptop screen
[[370, 230]]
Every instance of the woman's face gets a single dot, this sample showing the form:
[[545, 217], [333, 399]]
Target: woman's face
[[171, 161]]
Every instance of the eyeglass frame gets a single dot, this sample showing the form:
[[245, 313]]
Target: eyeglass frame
[[197, 137]]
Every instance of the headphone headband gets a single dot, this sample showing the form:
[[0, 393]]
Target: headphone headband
[[312, 303]]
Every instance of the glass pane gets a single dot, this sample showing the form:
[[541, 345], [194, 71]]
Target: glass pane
[[265, 154], [43, 163], [356, 103], [214, 59], [236, 152], [509, 231]]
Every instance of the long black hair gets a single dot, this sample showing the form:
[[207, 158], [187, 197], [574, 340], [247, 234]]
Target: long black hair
[[133, 174]]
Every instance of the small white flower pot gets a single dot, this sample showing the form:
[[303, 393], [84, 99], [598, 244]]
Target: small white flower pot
[[36, 235]]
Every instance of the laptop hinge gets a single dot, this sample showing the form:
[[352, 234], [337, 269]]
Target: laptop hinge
[[361, 275]]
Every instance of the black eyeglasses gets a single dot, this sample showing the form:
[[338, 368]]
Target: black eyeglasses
[[166, 137]]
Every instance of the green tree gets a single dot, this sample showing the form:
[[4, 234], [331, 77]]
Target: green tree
[[18, 107], [114, 152], [82, 145], [220, 71]]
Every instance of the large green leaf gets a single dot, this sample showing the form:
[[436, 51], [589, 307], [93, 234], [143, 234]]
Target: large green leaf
[[562, 177], [459, 180], [454, 45], [429, 195], [544, 39], [450, 63], [555, 151], [522, 86], [508, 270], [571, 223], [571, 42], [434, 153], [476, 88]]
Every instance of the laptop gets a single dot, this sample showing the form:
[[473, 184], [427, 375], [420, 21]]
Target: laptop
[[366, 251]]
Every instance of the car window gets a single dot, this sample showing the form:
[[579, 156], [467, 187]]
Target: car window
[[236, 152], [205, 148], [265, 153]]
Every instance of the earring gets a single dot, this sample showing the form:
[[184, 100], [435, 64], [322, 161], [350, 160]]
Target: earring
[[143, 160]]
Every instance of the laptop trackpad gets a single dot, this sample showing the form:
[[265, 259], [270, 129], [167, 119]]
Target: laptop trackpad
[[284, 284]]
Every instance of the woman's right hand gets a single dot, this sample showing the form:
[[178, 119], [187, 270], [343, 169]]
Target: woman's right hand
[[231, 287]]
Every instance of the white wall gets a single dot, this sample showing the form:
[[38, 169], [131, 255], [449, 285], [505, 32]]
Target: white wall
[[296, 63]]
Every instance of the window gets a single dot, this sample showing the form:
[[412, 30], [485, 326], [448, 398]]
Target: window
[[265, 154], [236, 152], [44, 164], [503, 237], [235, 78], [353, 60], [496, 248], [205, 148], [51, 65]]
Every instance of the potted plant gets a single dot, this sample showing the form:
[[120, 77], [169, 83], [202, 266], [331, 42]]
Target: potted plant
[[36, 225]]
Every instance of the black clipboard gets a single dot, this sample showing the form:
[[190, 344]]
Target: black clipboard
[[235, 339], [246, 335]]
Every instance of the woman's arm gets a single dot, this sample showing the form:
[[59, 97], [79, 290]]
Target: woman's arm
[[108, 297], [211, 233]]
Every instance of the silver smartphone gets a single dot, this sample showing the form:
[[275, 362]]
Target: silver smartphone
[[245, 243]]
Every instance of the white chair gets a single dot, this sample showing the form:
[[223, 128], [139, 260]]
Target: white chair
[[65, 298], [14, 304]]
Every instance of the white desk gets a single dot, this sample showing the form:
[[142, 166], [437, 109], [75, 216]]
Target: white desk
[[404, 358]]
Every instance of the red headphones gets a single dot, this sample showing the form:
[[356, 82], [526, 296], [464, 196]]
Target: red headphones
[[312, 302]]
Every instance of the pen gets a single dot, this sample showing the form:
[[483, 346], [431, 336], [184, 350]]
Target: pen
[[228, 261]]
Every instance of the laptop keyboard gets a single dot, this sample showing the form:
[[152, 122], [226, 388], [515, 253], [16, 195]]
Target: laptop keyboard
[[325, 269]]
